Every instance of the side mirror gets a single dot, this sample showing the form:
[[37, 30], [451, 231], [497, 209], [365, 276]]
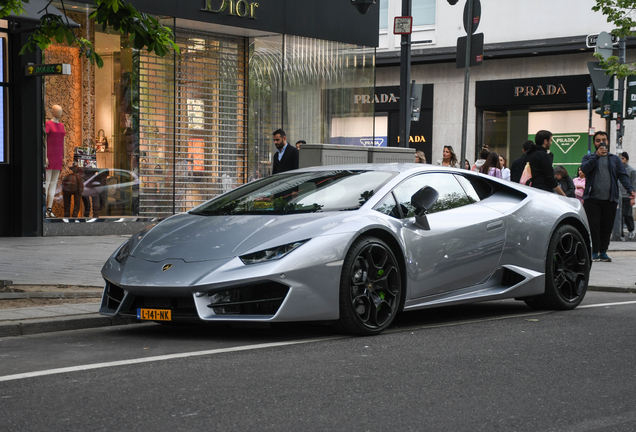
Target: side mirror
[[423, 200]]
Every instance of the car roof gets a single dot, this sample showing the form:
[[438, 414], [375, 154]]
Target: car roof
[[390, 167]]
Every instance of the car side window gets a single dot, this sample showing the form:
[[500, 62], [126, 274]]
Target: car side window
[[451, 194], [469, 187], [388, 206]]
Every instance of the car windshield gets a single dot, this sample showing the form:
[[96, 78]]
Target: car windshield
[[299, 192]]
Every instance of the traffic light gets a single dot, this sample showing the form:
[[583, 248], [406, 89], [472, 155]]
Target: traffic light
[[604, 111]]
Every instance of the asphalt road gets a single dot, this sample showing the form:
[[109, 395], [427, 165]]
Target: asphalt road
[[492, 366]]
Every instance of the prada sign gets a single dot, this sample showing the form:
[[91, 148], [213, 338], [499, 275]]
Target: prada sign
[[377, 98], [561, 90], [239, 8], [550, 90]]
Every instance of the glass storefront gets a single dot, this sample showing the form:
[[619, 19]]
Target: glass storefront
[[505, 131], [306, 86], [99, 173], [149, 137], [513, 111]]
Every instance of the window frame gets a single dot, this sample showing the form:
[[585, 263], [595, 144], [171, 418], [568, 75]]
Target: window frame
[[399, 206], [5, 89]]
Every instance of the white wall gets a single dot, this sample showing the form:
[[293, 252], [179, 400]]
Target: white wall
[[505, 21]]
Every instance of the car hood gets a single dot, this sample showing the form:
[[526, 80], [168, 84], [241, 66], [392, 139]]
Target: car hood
[[195, 238]]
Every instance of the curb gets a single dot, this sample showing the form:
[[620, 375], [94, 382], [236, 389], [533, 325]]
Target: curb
[[50, 325], [613, 289]]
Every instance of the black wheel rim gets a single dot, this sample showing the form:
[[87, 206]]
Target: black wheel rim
[[570, 267], [375, 286]]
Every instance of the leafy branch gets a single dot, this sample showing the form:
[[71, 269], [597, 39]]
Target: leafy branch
[[144, 31], [622, 14], [8, 7]]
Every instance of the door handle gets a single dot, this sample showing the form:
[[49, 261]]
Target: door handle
[[494, 225]]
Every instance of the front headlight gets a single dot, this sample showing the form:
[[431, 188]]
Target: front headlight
[[124, 251], [270, 254]]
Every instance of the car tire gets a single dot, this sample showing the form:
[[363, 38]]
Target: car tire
[[567, 271], [369, 303]]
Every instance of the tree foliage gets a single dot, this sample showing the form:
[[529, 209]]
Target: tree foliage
[[143, 30], [622, 15]]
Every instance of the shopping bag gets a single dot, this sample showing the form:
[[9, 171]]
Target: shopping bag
[[526, 176]]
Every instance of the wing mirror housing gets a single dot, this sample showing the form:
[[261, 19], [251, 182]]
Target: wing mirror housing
[[423, 200]]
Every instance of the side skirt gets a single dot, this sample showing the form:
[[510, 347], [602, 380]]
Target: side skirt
[[507, 282]]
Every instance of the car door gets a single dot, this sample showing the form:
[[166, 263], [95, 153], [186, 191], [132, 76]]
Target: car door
[[465, 240]]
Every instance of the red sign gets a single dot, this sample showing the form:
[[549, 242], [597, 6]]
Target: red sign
[[403, 25]]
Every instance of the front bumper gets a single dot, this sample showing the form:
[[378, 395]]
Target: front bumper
[[303, 286]]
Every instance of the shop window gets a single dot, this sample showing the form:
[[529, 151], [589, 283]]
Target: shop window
[[192, 127], [505, 132], [99, 126]]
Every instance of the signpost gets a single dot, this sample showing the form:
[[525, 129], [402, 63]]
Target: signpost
[[470, 49], [590, 41], [590, 89], [403, 25]]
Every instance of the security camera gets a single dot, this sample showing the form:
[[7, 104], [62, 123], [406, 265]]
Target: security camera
[[452, 2], [362, 5]]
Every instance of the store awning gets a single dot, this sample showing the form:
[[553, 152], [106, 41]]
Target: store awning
[[34, 10]]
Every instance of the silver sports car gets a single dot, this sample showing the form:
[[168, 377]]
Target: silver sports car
[[355, 245]]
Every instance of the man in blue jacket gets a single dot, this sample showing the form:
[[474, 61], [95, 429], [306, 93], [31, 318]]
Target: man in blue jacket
[[603, 171]]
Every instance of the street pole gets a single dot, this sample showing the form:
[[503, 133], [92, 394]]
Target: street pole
[[617, 232], [469, 37], [590, 98], [405, 82]]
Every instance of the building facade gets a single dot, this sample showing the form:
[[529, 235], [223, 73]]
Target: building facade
[[534, 74], [146, 137]]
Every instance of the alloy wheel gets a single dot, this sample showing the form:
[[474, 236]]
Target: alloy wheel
[[374, 286], [570, 267]]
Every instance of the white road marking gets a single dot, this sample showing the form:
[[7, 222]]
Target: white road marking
[[158, 358], [606, 304], [265, 345]]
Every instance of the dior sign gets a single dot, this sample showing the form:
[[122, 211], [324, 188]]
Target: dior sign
[[239, 8]]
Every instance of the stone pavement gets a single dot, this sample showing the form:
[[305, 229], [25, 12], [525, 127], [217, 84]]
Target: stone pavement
[[72, 263]]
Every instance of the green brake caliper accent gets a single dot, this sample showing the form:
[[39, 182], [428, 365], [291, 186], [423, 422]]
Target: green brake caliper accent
[[381, 293]]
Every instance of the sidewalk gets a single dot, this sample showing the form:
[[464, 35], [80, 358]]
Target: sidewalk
[[70, 268], [55, 267]]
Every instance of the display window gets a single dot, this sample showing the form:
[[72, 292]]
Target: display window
[[513, 111], [506, 131], [91, 140]]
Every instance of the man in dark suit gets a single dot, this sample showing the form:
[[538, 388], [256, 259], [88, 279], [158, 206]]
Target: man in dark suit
[[286, 156]]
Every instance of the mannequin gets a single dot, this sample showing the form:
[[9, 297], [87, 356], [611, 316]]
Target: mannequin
[[54, 155]]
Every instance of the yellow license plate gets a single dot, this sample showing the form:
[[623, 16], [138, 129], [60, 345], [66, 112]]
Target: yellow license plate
[[154, 314]]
